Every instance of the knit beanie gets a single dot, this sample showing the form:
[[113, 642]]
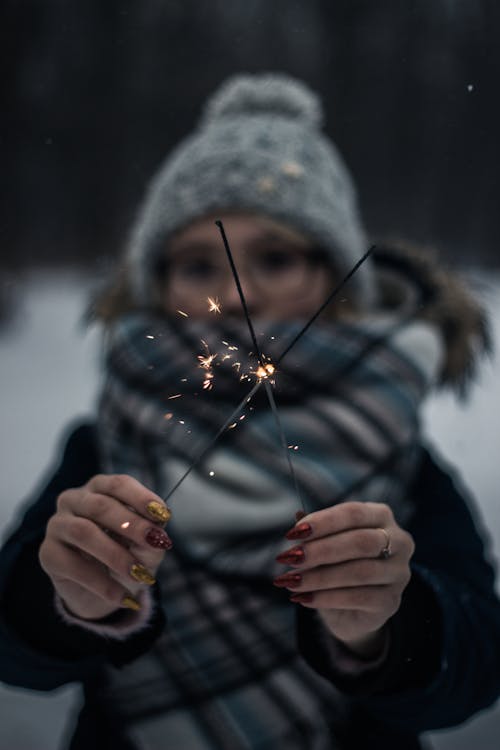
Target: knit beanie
[[258, 149]]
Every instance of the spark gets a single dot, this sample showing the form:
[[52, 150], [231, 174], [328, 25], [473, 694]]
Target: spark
[[125, 525], [232, 426], [265, 370], [149, 336], [168, 415], [206, 361], [213, 304], [177, 395], [212, 473], [207, 383], [181, 312]]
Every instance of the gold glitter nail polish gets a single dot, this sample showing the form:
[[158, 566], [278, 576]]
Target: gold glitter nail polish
[[158, 511], [130, 603], [141, 574]]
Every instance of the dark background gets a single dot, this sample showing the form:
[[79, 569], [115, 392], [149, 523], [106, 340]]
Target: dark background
[[93, 94]]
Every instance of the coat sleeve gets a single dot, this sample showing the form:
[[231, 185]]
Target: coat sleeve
[[37, 649], [443, 663]]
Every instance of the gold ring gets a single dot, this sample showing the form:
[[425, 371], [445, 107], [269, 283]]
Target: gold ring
[[386, 550]]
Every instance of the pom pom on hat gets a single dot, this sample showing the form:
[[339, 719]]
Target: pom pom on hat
[[269, 94]]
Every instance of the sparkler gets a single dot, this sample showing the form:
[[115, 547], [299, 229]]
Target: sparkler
[[213, 440], [265, 369]]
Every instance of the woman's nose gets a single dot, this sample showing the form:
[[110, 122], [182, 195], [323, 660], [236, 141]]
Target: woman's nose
[[230, 297]]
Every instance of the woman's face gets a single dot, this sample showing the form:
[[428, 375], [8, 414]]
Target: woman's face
[[281, 273]]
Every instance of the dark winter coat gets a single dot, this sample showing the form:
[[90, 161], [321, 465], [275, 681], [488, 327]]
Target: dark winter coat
[[444, 658]]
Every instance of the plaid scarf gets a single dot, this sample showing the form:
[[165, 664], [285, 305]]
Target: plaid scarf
[[227, 673]]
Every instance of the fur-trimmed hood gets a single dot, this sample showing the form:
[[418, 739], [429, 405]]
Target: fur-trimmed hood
[[416, 281]]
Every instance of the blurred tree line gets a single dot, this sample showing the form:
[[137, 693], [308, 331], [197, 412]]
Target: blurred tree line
[[95, 93]]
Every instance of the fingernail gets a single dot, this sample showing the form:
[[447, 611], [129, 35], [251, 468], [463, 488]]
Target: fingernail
[[141, 574], [299, 515], [288, 580], [158, 539], [130, 603], [305, 598], [300, 531], [158, 511], [293, 556]]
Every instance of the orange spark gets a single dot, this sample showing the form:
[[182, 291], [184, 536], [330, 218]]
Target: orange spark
[[265, 370]]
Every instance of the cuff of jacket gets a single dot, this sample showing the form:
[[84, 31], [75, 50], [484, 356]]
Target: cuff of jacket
[[412, 656], [341, 658], [120, 626]]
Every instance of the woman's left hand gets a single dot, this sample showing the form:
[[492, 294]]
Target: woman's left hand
[[351, 564]]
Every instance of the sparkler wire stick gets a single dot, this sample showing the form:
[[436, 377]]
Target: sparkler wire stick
[[325, 304], [272, 402], [213, 440], [236, 277], [270, 395]]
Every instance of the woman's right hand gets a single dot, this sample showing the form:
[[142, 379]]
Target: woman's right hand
[[104, 544]]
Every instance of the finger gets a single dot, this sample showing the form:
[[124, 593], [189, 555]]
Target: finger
[[131, 492], [341, 517], [68, 569], [345, 545], [82, 534], [358, 573], [379, 600], [117, 518]]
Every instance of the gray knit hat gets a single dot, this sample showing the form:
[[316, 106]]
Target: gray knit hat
[[258, 148]]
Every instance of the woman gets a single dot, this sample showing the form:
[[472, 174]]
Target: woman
[[382, 622]]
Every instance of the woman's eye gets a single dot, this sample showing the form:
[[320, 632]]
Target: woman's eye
[[198, 269]]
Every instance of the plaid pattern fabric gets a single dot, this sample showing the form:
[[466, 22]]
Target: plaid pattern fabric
[[227, 674]]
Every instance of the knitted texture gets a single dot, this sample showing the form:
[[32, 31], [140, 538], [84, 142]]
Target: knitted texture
[[258, 149]]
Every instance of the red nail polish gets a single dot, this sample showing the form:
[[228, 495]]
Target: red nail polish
[[305, 598], [300, 531], [158, 539], [288, 580], [293, 556]]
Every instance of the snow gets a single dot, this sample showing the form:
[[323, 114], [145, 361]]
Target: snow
[[48, 373]]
